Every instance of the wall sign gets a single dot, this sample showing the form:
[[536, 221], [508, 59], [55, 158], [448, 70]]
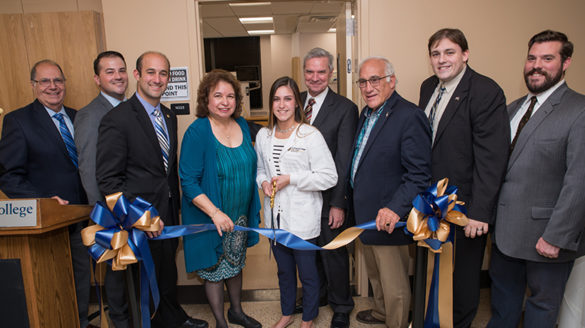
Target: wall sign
[[178, 87]]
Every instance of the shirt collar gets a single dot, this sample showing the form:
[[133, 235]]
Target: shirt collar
[[52, 112], [147, 106], [320, 98], [543, 96], [454, 82], [114, 101]]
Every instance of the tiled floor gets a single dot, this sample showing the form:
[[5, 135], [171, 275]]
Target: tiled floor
[[260, 275]]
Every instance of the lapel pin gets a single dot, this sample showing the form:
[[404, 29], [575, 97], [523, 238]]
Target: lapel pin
[[386, 115], [456, 98], [168, 116]]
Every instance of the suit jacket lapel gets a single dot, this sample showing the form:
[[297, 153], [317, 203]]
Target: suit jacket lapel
[[543, 111], [386, 112], [326, 108], [146, 124], [104, 102], [459, 96], [427, 93], [46, 122]]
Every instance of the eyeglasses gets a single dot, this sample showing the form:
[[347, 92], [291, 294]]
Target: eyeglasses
[[374, 81], [47, 82]]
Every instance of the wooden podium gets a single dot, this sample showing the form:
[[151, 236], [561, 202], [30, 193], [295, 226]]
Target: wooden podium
[[45, 260]]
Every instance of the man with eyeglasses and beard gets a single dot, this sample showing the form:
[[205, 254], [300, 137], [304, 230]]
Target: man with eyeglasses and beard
[[540, 220]]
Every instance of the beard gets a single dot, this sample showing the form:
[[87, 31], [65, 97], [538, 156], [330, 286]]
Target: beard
[[549, 80]]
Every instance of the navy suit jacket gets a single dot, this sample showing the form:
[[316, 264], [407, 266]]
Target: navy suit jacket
[[394, 167], [35, 159], [129, 158]]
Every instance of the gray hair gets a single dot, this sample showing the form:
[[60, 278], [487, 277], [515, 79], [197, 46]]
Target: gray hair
[[318, 53], [388, 68]]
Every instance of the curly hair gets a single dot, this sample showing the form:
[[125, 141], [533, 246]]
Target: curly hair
[[209, 82]]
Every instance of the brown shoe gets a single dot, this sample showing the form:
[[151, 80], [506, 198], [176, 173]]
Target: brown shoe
[[367, 318]]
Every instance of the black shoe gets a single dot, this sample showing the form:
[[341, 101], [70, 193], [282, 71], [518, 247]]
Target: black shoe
[[340, 320], [243, 320], [367, 318], [194, 323]]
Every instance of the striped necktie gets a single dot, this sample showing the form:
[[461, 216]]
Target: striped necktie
[[434, 108], [309, 109], [67, 138], [163, 141], [523, 121]]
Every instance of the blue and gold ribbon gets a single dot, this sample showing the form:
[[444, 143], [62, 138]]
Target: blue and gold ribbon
[[431, 223], [118, 238]]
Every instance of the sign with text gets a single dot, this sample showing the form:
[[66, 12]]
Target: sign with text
[[178, 87], [18, 213]]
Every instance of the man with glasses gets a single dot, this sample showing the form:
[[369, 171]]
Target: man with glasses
[[38, 153], [471, 135], [336, 117], [390, 165]]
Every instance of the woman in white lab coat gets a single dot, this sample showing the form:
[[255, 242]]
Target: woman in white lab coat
[[293, 155]]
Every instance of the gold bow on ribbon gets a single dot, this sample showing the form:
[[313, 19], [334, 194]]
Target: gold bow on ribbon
[[443, 210], [119, 249]]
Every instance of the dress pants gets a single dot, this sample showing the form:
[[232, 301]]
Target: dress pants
[[115, 286], [333, 269], [510, 277], [469, 254], [170, 313], [81, 271], [387, 268], [288, 261]]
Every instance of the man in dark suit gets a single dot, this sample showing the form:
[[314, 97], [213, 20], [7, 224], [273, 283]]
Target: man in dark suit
[[540, 221], [40, 160], [391, 164], [336, 117], [112, 80], [467, 113], [137, 155]]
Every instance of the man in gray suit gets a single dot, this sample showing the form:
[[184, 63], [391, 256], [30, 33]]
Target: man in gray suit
[[112, 79], [540, 221]]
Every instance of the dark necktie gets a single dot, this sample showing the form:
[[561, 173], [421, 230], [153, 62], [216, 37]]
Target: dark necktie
[[309, 109], [162, 137], [433, 111], [67, 138], [523, 121]]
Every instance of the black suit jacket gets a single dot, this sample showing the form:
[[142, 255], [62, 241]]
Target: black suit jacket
[[35, 158], [129, 158], [394, 167], [472, 141], [336, 120]]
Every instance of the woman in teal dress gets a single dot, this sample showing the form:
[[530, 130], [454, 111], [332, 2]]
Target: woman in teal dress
[[218, 172]]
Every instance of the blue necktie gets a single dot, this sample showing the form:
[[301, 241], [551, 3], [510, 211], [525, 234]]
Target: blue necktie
[[67, 138], [163, 141]]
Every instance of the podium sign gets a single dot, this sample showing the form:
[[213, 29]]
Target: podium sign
[[18, 213]]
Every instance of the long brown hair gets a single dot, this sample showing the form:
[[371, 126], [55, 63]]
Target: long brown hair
[[288, 82]]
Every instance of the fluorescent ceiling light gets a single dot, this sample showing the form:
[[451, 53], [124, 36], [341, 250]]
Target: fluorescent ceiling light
[[249, 4], [258, 32], [255, 20], [332, 30]]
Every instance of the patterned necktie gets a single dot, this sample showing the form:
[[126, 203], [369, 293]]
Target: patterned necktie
[[309, 109], [67, 138], [163, 141], [523, 121], [434, 108]]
